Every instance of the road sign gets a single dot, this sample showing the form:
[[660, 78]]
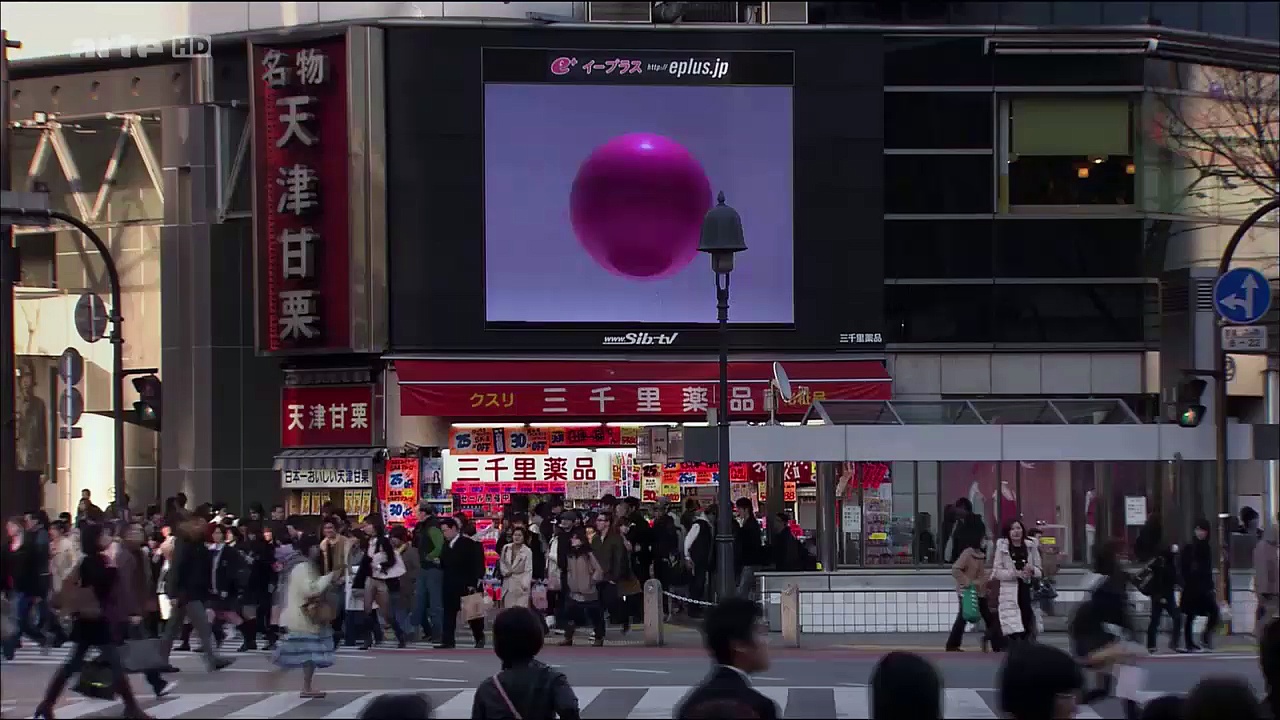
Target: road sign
[[71, 366], [91, 317], [70, 406], [1244, 338], [1242, 296]]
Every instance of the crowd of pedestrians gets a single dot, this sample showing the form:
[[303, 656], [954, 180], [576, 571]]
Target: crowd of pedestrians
[[113, 585]]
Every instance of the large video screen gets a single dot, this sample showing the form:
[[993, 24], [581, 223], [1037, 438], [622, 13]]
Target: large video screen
[[595, 189]]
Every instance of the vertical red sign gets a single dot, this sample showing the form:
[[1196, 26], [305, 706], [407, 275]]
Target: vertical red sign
[[301, 210]]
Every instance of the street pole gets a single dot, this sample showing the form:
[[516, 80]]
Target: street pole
[[1271, 397], [724, 491], [8, 278], [1220, 410], [117, 334]]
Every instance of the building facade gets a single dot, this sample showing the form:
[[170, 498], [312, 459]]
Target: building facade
[[350, 241]]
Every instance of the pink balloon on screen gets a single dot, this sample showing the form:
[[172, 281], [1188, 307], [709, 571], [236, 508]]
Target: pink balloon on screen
[[637, 205]]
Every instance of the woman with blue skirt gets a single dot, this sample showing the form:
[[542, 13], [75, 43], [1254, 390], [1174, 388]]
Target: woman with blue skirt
[[306, 616]]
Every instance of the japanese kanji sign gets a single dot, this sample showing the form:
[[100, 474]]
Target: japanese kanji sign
[[533, 471], [326, 416], [301, 180], [539, 391]]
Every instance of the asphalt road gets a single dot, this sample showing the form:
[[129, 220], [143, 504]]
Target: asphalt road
[[611, 681]]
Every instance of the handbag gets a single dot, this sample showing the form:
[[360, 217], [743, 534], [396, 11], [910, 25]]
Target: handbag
[[969, 604], [96, 680], [630, 586], [497, 684], [319, 611], [1144, 578], [538, 596], [472, 606], [143, 655]]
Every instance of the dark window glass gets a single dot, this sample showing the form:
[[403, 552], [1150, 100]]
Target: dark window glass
[[1181, 15], [1049, 70], [854, 13], [938, 184], [37, 259], [1264, 20], [937, 248], [938, 313], [1224, 18], [1052, 180], [1077, 13], [938, 120], [1068, 313], [1026, 13], [1126, 13], [975, 13], [1087, 247], [936, 61]]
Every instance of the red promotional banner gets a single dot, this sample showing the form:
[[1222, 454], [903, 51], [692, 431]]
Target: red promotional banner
[[326, 416], [480, 441], [301, 212], [632, 390]]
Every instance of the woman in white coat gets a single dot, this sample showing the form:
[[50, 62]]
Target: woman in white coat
[[516, 564], [1016, 565]]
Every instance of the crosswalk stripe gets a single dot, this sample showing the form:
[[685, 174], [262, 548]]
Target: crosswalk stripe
[[84, 707], [353, 708], [273, 706], [962, 703], [657, 703], [180, 705], [457, 707], [852, 702], [634, 703], [586, 695], [778, 695]]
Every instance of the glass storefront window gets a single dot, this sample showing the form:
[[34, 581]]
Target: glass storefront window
[[1070, 152], [904, 514]]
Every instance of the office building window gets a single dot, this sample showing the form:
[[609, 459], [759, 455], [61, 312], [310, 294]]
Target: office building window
[[1066, 152], [947, 120], [938, 313], [1084, 248], [1069, 313], [1181, 15], [936, 61], [1226, 18], [924, 184], [930, 248]]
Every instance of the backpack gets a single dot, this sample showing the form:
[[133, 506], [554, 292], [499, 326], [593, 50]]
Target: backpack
[[77, 599]]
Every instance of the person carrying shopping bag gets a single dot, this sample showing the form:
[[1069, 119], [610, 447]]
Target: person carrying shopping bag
[[971, 575], [307, 617]]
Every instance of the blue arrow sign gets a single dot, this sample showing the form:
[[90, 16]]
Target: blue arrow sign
[[1242, 296]]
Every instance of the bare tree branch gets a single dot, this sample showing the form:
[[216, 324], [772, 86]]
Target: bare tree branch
[[1223, 127]]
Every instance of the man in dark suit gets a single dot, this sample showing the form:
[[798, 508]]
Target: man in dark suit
[[462, 565], [733, 636]]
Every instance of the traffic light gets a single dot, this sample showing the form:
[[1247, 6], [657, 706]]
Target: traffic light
[[1188, 407], [147, 408]]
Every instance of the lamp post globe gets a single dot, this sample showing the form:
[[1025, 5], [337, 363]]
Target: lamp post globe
[[722, 238]]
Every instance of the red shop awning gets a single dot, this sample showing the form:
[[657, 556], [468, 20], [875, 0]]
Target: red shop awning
[[562, 390]]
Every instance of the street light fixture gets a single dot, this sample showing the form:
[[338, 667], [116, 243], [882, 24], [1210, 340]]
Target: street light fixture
[[722, 238]]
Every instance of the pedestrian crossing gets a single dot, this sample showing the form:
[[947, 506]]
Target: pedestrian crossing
[[55, 656], [596, 702]]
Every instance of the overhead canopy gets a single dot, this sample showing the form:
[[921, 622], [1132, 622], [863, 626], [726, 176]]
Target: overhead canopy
[[327, 459], [1063, 411]]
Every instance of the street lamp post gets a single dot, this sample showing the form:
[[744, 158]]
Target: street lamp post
[[722, 239]]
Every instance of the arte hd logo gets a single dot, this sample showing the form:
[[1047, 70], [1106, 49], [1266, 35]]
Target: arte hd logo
[[130, 46]]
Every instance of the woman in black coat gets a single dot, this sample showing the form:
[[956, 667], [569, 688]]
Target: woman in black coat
[[1198, 594], [92, 623], [224, 595], [257, 557], [1152, 549]]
